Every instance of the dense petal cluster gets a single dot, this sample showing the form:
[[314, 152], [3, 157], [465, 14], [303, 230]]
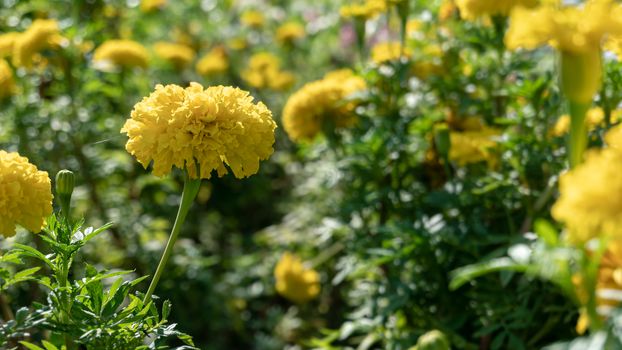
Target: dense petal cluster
[[214, 62], [25, 194], [321, 102], [7, 83], [289, 32], [473, 146], [588, 204], [473, 9], [573, 29], [121, 53], [213, 127], [7, 41], [389, 51], [42, 34], [264, 71], [178, 55], [294, 281]]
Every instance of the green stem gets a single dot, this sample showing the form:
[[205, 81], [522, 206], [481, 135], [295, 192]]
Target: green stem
[[191, 188], [578, 132]]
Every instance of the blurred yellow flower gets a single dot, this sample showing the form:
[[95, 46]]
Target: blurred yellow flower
[[473, 146], [447, 10], [363, 10], [151, 5], [237, 44], [7, 83], [253, 19], [214, 62], [587, 204], [321, 104], [473, 9], [121, 53], [389, 51], [264, 71], [42, 34], [25, 194], [7, 40], [294, 281], [214, 127], [595, 116], [178, 55], [289, 32]]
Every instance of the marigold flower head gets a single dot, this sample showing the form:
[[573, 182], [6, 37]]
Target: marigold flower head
[[7, 40], [320, 103], [25, 194], [214, 127], [572, 29], [214, 62], [151, 5], [264, 71], [121, 53], [389, 51], [289, 32], [294, 281], [42, 34], [473, 9], [473, 146], [7, 83], [363, 10], [586, 204], [253, 19], [178, 55]]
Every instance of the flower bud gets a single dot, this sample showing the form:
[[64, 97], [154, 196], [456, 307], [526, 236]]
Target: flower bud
[[433, 340], [581, 75], [65, 182], [441, 140]]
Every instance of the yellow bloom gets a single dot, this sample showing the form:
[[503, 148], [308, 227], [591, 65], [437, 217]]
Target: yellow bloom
[[217, 126], [473, 9], [7, 83], [473, 146], [613, 44], [389, 51], [289, 32], [42, 34], [7, 40], [237, 44], [264, 71], [178, 55], [214, 62], [447, 10], [363, 11], [321, 103], [294, 281], [595, 117], [587, 204], [25, 194], [253, 19], [151, 5], [121, 53], [572, 29]]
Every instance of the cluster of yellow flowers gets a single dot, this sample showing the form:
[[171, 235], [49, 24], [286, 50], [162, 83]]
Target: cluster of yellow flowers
[[178, 55], [587, 204], [473, 9], [289, 32], [473, 146], [120, 53], [25, 47], [214, 62], [595, 117], [25, 194], [294, 281], [213, 127], [389, 51], [320, 102], [264, 71]]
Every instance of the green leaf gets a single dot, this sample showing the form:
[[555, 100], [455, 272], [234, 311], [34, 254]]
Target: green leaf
[[48, 345], [32, 252], [546, 231], [31, 346], [467, 273]]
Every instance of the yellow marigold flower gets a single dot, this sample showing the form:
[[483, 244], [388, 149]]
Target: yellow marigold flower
[[281, 80], [389, 51], [7, 83], [363, 11], [573, 29], [595, 116], [25, 194], [42, 34], [613, 44], [214, 127], [289, 32], [586, 204], [473, 146], [473, 9], [178, 55], [264, 71], [321, 102], [447, 10], [253, 19], [121, 53], [294, 281], [214, 62], [7, 40], [151, 5]]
